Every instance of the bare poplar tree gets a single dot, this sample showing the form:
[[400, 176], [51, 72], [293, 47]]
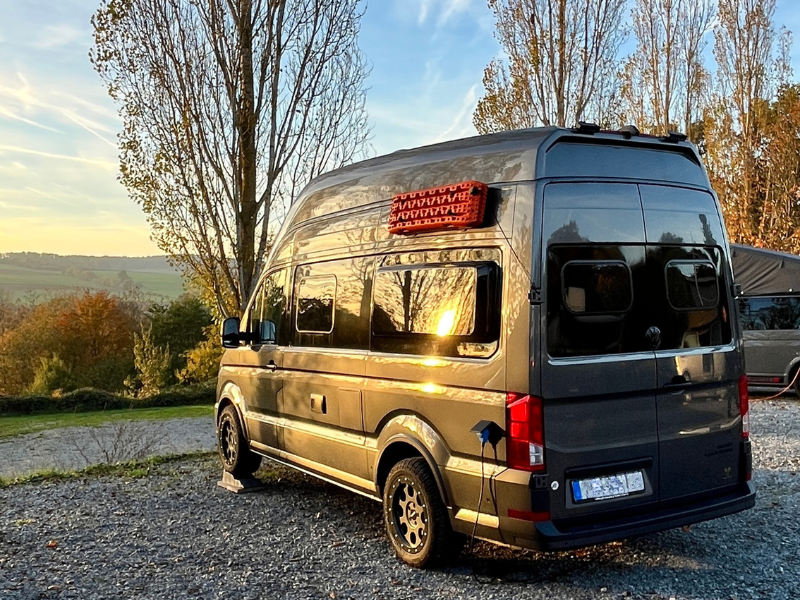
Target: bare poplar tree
[[229, 108], [667, 63], [751, 65], [560, 56]]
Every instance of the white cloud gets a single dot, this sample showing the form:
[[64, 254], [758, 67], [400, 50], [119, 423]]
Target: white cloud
[[54, 36], [461, 124], [105, 164], [11, 115]]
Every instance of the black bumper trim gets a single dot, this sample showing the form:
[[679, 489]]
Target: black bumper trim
[[549, 537]]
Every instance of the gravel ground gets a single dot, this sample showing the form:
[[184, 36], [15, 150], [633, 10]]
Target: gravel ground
[[175, 534], [70, 448]]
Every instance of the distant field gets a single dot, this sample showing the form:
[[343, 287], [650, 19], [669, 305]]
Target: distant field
[[21, 281], [169, 285]]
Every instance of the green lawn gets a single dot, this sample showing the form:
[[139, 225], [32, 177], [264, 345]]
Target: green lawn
[[20, 424]]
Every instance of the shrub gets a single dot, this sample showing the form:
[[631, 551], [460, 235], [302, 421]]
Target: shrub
[[202, 361], [153, 364], [51, 375], [89, 399]]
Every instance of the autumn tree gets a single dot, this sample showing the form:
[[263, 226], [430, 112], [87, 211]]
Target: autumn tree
[[752, 64], [665, 76], [559, 64], [229, 107]]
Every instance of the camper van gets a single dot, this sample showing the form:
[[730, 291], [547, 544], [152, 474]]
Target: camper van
[[528, 337], [769, 310]]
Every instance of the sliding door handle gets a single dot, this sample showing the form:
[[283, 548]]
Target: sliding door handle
[[318, 404]]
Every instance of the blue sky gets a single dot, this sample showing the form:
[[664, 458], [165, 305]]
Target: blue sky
[[58, 156]]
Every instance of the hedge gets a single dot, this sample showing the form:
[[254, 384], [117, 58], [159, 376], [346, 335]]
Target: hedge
[[90, 399]]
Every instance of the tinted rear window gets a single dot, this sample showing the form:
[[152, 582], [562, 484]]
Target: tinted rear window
[[596, 287], [605, 160], [692, 285]]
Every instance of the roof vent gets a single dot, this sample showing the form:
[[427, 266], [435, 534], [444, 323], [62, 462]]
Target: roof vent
[[587, 128], [673, 137], [629, 131]]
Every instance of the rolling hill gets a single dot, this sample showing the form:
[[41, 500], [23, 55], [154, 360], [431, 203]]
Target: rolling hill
[[27, 273]]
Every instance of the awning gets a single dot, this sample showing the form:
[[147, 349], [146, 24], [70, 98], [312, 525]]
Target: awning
[[765, 272]]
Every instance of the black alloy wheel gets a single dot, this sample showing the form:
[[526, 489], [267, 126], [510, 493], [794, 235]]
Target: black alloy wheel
[[234, 454], [415, 516]]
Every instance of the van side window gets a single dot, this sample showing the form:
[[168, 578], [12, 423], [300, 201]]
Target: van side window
[[315, 296], [437, 309], [332, 304], [770, 313], [266, 318]]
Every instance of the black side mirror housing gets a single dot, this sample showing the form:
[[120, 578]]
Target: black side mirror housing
[[231, 337]]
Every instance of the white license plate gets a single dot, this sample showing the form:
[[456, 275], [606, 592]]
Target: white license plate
[[610, 486]]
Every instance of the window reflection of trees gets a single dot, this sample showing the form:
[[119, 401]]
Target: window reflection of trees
[[435, 301]]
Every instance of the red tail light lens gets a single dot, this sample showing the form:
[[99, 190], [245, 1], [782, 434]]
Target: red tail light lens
[[744, 406], [525, 424]]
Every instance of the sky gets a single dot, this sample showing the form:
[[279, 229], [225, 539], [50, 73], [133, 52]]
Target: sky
[[58, 156]]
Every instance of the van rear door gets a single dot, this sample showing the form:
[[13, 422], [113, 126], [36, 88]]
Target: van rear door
[[698, 365], [598, 371]]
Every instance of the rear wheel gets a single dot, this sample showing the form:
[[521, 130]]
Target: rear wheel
[[237, 459], [415, 516]]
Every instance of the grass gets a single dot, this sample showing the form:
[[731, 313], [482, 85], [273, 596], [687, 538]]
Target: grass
[[133, 469], [21, 424], [20, 281], [168, 285]]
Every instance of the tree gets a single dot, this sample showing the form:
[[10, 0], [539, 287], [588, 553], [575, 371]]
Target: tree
[[92, 333], [560, 56], [752, 63], [229, 107], [665, 75]]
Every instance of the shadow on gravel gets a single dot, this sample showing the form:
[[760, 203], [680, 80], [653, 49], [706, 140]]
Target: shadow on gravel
[[710, 560]]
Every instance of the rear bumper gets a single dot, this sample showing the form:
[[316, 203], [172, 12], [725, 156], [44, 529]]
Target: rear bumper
[[554, 536]]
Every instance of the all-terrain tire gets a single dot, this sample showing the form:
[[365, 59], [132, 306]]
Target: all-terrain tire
[[234, 452], [415, 516]]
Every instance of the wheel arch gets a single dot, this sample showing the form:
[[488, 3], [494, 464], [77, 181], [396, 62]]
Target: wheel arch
[[230, 395], [402, 437]]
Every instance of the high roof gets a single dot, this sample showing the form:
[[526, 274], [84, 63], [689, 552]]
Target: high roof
[[763, 272], [506, 157]]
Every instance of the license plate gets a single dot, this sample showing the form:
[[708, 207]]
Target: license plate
[[609, 486]]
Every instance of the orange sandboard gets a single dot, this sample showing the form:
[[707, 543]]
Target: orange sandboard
[[458, 206]]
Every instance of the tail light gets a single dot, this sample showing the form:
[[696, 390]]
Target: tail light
[[744, 406], [525, 425]]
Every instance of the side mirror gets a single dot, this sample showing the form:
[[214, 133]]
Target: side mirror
[[267, 332], [230, 333]]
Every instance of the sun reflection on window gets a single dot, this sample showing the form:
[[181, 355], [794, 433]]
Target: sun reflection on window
[[446, 323]]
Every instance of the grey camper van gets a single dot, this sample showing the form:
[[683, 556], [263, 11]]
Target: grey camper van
[[769, 310], [565, 370]]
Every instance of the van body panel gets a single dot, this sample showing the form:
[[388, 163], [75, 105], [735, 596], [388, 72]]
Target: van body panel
[[324, 388], [259, 379]]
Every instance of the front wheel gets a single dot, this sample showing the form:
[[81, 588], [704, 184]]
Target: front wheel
[[415, 516], [237, 459]]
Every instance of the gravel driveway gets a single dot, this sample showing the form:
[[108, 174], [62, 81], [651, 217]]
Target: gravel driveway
[[70, 448], [175, 534]]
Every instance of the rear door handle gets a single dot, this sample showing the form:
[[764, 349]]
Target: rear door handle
[[271, 366], [678, 383]]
